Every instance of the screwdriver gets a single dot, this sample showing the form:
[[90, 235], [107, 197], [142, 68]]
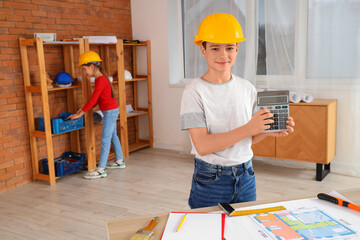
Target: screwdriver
[[338, 201]]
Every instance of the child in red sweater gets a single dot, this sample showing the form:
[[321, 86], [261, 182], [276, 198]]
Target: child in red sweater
[[104, 97]]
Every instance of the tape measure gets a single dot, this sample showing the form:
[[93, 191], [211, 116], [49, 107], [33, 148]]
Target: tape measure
[[229, 210], [256, 211]]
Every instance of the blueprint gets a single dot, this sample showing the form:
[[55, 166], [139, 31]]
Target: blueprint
[[304, 219], [304, 224]]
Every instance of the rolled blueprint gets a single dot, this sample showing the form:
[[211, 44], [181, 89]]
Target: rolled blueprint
[[295, 97], [305, 97]]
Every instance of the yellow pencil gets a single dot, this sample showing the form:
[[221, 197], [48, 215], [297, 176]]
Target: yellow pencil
[[181, 223]]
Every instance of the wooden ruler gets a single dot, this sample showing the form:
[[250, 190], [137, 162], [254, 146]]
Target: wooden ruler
[[256, 211]]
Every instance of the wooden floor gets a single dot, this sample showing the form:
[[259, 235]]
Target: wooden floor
[[154, 181]]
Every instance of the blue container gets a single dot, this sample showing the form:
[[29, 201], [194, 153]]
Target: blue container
[[61, 125], [69, 162]]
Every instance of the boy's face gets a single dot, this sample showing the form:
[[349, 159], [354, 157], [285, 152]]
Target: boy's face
[[220, 56]]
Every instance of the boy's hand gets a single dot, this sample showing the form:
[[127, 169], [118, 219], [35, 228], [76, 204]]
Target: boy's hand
[[78, 114], [290, 124], [260, 122]]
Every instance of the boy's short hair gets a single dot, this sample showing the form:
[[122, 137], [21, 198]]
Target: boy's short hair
[[203, 43]]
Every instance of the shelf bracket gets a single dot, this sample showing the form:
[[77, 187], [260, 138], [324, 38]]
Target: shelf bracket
[[322, 172]]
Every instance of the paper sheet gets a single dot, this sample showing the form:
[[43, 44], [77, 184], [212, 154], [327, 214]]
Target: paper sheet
[[197, 226], [304, 219]]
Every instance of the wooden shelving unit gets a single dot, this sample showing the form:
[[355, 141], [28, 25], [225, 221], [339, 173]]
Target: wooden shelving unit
[[140, 143], [42, 89], [86, 89]]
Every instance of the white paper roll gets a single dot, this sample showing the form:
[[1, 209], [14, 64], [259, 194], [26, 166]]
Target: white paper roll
[[305, 97], [295, 97]]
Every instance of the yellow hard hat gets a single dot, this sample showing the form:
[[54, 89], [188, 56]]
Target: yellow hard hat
[[87, 57], [219, 28]]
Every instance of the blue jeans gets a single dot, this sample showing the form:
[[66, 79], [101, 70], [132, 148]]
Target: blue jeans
[[108, 136], [212, 184]]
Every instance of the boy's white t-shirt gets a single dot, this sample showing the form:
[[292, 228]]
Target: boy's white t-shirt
[[220, 108]]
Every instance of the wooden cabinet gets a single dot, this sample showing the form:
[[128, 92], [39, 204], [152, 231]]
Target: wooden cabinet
[[314, 138], [36, 83]]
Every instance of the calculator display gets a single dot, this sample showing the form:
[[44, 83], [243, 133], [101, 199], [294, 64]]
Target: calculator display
[[272, 100]]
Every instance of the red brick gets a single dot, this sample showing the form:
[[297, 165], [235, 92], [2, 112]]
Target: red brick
[[22, 13], [24, 25], [16, 31], [3, 187], [7, 24], [39, 26], [4, 30], [12, 181], [14, 18], [11, 63], [5, 140], [6, 165], [39, 14], [14, 168], [21, 5], [13, 156], [32, 19]]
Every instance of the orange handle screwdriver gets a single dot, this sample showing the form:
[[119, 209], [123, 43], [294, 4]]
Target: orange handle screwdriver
[[338, 201]]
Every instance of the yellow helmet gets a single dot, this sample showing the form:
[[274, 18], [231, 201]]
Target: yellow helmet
[[219, 28], [87, 57]]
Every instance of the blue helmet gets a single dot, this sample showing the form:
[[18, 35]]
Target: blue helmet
[[63, 78]]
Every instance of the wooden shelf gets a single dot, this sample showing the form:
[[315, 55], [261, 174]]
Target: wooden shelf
[[143, 43], [139, 145], [137, 79], [137, 114]]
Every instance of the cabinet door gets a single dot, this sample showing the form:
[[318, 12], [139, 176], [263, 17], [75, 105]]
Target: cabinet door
[[265, 148], [308, 142]]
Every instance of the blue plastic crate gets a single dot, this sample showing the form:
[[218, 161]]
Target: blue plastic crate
[[69, 162], [61, 125]]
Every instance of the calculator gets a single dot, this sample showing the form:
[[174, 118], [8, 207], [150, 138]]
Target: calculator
[[278, 104]]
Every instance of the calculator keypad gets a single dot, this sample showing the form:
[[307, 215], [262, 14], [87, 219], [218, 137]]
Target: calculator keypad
[[281, 113]]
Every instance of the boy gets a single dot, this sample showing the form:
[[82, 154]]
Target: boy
[[217, 110]]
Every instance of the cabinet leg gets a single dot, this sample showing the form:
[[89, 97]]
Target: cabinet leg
[[320, 172]]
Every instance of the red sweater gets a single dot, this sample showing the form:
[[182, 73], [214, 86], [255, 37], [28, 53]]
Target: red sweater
[[101, 96]]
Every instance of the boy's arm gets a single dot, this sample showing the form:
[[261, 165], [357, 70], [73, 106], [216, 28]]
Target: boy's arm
[[206, 143]]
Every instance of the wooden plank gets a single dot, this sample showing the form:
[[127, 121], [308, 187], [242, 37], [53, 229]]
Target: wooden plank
[[138, 145], [137, 114], [46, 110], [75, 86], [137, 79], [122, 98], [105, 57], [39, 134], [149, 93], [89, 121], [27, 42], [29, 105], [42, 177], [33, 89], [331, 131]]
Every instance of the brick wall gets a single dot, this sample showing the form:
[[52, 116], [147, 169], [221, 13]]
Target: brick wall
[[22, 18]]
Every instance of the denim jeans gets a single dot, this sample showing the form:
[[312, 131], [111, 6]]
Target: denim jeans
[[108, 136], [212, 184]]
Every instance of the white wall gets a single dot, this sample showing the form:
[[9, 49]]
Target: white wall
[[150, 22]]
